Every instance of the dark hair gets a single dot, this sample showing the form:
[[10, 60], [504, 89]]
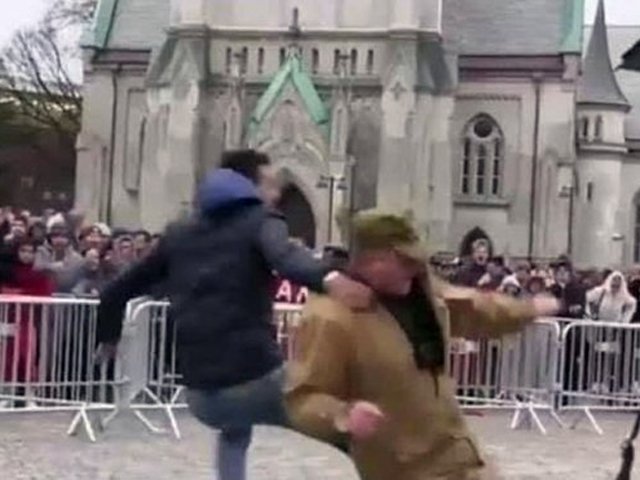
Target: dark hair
[[499, 261], [245, 162], [25, 242], [118, 233], [566, 265], [36, 225], [123, 239], [59, 230]]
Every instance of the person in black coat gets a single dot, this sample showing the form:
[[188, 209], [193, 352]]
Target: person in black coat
[[471, 273], [573, 298], [217, 269], [570, 292]]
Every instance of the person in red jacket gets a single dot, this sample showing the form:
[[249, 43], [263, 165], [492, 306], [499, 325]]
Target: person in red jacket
[[20, 354]]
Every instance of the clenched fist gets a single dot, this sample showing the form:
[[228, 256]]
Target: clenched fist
[[362, 421]]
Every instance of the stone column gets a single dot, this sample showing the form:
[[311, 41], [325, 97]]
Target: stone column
[[404, 14], [188, 12], [398, 149]]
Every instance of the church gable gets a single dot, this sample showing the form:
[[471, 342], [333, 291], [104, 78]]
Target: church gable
[[290, 76]]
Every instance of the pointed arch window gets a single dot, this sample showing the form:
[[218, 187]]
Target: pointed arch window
[[597, 132], [370, 60], [228, 57], [353, 62], [584, 128], [260, 60], [482, 161], [244, 60]]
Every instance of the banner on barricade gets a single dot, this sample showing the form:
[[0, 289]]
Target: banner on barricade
[[290, 293]]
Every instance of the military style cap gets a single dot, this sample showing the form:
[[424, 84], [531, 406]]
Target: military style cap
[[376, 230]]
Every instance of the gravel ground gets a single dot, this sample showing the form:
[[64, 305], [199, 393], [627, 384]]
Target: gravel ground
[[35, 447]]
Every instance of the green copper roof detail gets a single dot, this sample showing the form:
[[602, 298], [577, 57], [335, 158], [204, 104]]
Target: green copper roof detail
[[98, 34], [572, 28], [292, 71]]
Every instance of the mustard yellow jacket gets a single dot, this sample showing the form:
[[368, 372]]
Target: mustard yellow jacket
[[343, 356]]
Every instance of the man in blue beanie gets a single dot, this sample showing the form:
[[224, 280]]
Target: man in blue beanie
[[217, 269]]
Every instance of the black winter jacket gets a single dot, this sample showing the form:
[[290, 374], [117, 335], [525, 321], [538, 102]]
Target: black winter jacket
[[217, 270]]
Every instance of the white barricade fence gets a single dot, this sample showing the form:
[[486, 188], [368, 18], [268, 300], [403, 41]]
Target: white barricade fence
[[287, 320], [47, 358], [518, 372], [47, 362], [600, 368], [162, 387], [47, 354]]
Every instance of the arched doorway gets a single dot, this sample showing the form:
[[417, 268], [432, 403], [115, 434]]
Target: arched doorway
[[298, 214]]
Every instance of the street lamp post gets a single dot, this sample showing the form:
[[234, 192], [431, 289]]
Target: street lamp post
[[332, 183], [568, 191]]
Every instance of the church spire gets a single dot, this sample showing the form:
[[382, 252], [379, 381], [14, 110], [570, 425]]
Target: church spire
[[598, 84]]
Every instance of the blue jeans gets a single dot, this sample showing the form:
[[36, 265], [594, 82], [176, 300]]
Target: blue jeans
[[234, 411]]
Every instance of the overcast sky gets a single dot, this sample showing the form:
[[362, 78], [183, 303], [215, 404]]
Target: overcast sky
[[22, 13]]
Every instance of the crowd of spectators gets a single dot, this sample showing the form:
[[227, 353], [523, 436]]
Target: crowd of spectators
[[605, 295], [58, 254]]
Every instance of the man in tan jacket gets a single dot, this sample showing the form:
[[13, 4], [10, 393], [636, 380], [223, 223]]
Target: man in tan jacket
[[374, 379]]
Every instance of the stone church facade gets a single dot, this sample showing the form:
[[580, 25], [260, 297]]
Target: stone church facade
[[465, 114]]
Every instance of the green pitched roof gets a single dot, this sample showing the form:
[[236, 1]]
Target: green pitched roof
[[98, 34], [292, 71], [572, 27]]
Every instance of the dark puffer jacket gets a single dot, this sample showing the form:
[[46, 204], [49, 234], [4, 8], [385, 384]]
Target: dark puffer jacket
[[217, 271]]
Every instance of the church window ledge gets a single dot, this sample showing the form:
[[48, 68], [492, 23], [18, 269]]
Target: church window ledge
[[481, 202]]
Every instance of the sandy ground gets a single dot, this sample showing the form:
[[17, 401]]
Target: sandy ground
[[35, 447]]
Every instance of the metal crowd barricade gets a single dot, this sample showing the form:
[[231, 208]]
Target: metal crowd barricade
[[287, 320], [600, 369], [47, 361], [162, 386], [516, 372], [132, 366], [159, 381]]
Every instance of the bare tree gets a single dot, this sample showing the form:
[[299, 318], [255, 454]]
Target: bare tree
[[72, 12], [35, 71]]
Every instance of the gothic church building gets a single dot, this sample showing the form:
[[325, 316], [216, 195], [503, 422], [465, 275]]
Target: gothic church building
[[465, 114]]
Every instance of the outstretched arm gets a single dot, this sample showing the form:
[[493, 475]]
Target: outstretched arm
[[476, 314], [134, 282], [296, 263], [290, 260]]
